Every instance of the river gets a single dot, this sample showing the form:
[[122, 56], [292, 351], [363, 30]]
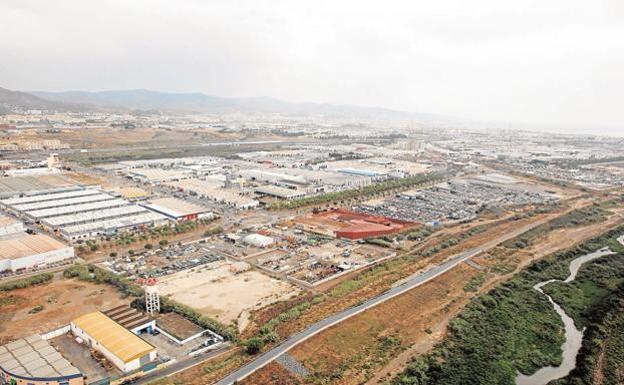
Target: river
[[573, 336]]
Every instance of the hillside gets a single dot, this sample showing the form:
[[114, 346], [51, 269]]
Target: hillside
[[10, 100], [142, 99]]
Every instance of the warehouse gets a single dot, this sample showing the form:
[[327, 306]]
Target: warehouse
[[112, 226], [32, 360], [121, 347], [10, 225], [54, 223], [258, 240], [16, 185], [279, 192], [82, 213], [206, 189], [74, 209], [24, 251], [178, 209]]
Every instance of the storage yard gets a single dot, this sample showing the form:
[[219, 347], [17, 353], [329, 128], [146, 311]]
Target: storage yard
[[458, 200]]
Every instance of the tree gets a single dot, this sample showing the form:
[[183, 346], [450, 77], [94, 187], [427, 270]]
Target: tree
[[163, 242], [148, 246]]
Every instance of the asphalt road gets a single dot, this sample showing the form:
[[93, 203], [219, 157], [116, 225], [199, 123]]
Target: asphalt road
[[414, 281]]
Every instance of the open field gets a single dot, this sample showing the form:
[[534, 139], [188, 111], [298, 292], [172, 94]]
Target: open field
[[99, 137], [62, 301], [216, 292]]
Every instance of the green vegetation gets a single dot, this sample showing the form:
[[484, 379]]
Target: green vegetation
[[254, 345], [453, 241], [421, 233], [94, 274], [362, 192], [475, 282], [579, 217], [511, 328], [26, 282], [35, 309], [213, 231], [10, 300], [595, 300]]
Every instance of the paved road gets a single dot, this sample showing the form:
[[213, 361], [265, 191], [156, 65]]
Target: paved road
[[409, 284]]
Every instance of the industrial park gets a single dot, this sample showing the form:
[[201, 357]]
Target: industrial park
[[200, 249], [297, 193]]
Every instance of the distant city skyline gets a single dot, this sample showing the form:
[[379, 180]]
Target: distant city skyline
[[545, 64]]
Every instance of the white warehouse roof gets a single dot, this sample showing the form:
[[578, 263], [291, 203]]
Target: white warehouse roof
[[258, 240]]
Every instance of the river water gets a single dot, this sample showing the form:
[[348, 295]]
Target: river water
[[574, 337]]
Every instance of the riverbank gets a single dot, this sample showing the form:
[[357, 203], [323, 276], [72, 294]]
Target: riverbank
[[511, 328]]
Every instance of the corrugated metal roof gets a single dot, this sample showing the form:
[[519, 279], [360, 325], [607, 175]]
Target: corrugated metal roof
[[114, 337], [27, 244]]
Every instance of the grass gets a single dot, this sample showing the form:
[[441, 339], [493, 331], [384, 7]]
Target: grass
[[475, 283]]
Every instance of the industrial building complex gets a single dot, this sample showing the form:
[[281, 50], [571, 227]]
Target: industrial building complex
[[82, 213]]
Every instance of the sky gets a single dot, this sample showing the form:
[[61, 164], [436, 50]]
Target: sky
[[555, 62]]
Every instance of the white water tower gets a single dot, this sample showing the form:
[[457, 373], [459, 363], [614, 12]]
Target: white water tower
[[152, 298]]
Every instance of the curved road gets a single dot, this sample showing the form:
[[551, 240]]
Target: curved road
[[328, 322]]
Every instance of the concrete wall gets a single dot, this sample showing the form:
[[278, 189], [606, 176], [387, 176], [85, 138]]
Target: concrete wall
[[55, 333]]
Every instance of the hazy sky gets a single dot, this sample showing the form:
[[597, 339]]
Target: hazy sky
[[553, 62]]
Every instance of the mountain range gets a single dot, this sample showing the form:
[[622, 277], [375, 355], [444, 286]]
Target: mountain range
[[146, 100]]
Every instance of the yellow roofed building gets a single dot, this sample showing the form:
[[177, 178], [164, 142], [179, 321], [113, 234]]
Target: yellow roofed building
[[124, 349]]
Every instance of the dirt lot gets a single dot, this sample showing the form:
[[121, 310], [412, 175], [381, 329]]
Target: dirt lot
[[62, 300], [219, 293]]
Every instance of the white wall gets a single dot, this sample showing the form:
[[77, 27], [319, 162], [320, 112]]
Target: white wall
[[40, 259], [123, 366]]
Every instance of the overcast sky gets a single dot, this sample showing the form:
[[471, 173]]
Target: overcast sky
[[558, 62]]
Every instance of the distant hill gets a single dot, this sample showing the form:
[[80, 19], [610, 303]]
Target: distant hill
[[11, 99], [197, 102]]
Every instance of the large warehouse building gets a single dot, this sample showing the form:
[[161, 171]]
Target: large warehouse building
[[32, 360], [24, 251], [178, 209], [10, 225], [82, 213], [124, 349]]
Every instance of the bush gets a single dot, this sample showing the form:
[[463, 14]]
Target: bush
[[26, 282], [254, 345]]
